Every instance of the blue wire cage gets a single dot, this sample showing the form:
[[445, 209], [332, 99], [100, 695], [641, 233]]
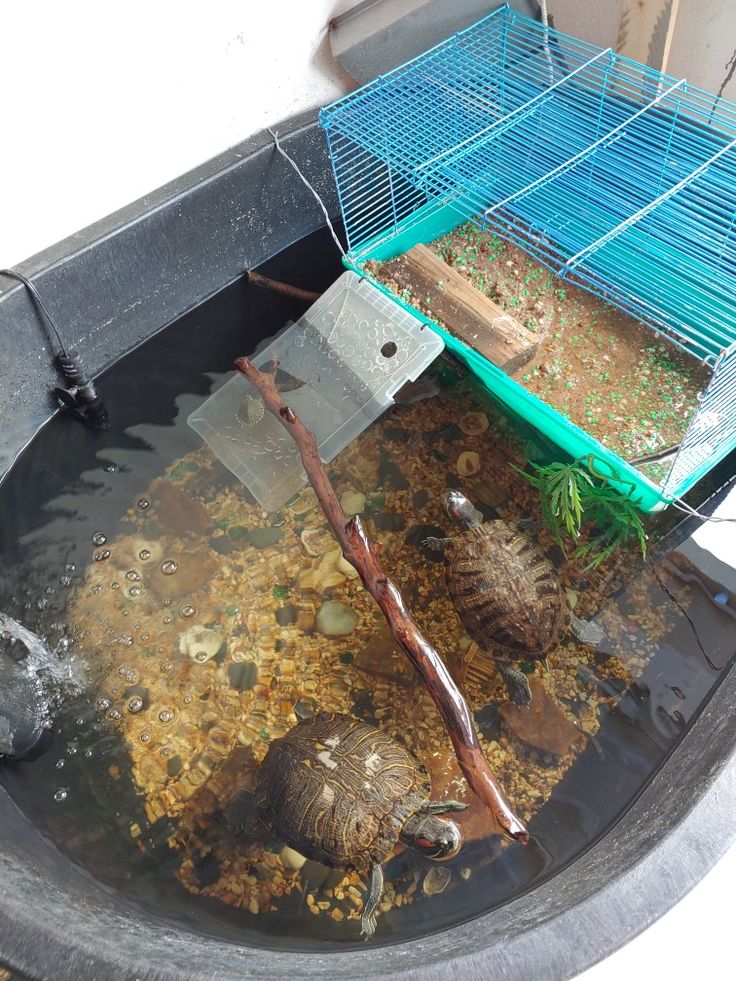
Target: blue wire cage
[[616, 176]]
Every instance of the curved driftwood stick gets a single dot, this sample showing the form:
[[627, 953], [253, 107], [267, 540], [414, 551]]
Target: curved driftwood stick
[[363, 554]]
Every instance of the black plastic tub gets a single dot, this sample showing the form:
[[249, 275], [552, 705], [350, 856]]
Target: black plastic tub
[[112, 287]]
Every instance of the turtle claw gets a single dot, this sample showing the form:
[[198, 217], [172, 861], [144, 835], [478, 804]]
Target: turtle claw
[[368, 924], [445, 806], [517, 684], [436, 544]]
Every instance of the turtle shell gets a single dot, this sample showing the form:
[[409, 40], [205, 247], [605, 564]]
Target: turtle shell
[[339, 790], [505, 591]]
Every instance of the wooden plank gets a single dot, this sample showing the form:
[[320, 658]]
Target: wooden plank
[[467, 313]]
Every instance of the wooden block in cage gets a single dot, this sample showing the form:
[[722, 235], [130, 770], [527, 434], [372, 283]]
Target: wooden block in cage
[[467, 313]]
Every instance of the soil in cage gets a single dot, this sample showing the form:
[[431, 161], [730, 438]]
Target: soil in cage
[[604, 371]]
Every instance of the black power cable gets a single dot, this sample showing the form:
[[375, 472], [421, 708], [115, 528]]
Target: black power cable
[[81, 397]]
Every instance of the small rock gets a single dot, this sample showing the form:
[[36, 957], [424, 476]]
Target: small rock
[[474, 423], [468, 463], [587, 632], [397, 434], [389, 521], [332, 570], [317, 541], [286, 615], [305, 621], [352, 502], [488, 720], [264, 537], [335, 619], [421, 498], [390, 473], [200, 643], [315, 875], [465, 873], [450, 433], [436, 880], [305, 708], [292, 859], [242, 675], [193, 570], [382, 658], [541, 724], [223, 545], [178, 514], [206, 870]]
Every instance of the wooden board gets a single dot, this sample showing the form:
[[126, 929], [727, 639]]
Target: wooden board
[[467, 313]]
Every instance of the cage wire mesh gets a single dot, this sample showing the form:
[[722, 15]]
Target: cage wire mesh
[[615, 176]]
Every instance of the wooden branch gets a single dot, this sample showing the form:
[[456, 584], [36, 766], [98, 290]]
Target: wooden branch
[[278, 287], [364, 556]]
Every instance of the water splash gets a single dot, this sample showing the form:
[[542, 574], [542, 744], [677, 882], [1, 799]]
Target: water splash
[[41, 661]]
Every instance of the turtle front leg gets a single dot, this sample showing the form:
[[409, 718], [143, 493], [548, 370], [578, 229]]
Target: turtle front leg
[[517, 683], [444, 806], [437, 544], [370, 910]]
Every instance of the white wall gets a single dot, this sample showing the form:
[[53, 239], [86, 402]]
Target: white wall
[[103, 102]]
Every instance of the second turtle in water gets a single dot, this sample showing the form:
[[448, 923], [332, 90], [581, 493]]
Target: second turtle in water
[[505, 590], [343, 793]]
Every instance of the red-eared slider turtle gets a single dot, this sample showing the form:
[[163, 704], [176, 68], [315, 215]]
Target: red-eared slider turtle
[[505, 590], [344, 793]]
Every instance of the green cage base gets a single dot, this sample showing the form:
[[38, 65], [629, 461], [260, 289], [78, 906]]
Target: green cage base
[[425, 226]]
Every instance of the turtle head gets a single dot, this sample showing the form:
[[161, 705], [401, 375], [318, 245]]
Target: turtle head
[[460, 509], [435, 837]]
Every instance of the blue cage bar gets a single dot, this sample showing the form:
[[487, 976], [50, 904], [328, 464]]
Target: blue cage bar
[[613, 175]]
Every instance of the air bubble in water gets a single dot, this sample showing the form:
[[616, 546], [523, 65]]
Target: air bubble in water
[[101, 555], [88, 753], [114, 585], [143, 503], [145, 637], [128, 673], [69, 567], [115, 714], [96, 589], [166, 715], [102, 704], [167, 666], [144, 554], [135, 704], [99, 538], [187, 699], [132, 575], [168, 620], [169, 567], [127, 640], [135, 591], [189, 610], [65, 580], [145, 737], [60, 764], [61, 794], [200, 656], [111, 467], [166, 602]]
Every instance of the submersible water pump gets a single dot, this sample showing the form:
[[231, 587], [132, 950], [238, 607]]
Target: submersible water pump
[[80, 397]]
